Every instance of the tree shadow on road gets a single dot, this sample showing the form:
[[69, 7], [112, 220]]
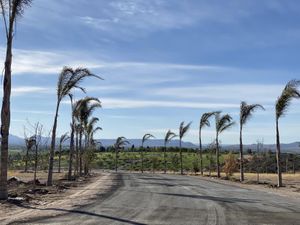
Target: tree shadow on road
[[125, 221]]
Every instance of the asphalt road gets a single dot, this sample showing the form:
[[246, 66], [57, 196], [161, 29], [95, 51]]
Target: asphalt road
[[174, 199]]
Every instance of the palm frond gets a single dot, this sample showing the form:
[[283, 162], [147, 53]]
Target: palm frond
[[64, 138], [70, 79], [169, 136], [288, 94], [204, 121], [120, 142], [246, 111], [147, 137], [223, 122], [183, 129]]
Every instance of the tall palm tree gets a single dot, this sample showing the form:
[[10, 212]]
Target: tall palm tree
[[183, 129], [204, 122], [222, 123], [68, 80], [169, 136], [83, 110], [144, 139], [62, 139], [246, 112], [120, 143], [284, 100], [10, 11]]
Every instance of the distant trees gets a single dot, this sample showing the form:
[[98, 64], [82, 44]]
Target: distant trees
[[183, 129], [284, 100], [246, 112], [10, 11], [223, 122]]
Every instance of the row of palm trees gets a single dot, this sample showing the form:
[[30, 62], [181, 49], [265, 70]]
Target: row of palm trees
[[223, 123]]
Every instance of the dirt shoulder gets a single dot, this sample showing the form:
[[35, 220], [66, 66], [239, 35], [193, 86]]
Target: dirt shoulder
[[58, 203]]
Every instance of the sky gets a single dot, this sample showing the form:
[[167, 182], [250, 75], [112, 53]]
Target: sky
[[162, 61]]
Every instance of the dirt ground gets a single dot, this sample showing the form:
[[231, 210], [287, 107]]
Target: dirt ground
[[42, 201]]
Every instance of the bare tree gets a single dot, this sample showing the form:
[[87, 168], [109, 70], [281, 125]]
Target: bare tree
[[10, 11]]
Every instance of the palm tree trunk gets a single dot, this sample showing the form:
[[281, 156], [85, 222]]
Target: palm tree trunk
[[80, 153], [217, 156], [165, 158], [181, 167], [5, 112], [77, 154], [35, 164], [278, 155], [241, 155], [26, 160], [51, 156], [116, 160], [71, 150], [200, 153], [142, 156], [59, 157]]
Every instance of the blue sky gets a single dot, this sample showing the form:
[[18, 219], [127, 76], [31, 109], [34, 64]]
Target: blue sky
[[163, 62]]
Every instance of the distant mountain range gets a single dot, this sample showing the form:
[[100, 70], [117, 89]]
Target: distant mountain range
[[291, 147]]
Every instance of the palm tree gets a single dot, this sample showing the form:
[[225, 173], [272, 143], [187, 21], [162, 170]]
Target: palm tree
[[169, 136], [245, 114], [62, 139], [182, 131], [222, 123], [83, 110], [145, 138], [120, 143], [10, 10], [91, 129], [284, 100], [68, 80], [204, 122]]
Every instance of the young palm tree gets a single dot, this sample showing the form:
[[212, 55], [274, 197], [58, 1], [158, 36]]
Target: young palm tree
[[182, 131], [83, 110], [284, 100], [62, 139], [169, 136], [68, 80], [222, 123], [10, 11], [204, 122], [120, 143], [144, 139], [246, 112]]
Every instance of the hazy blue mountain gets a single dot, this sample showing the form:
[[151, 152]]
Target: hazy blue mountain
[[291, 147]]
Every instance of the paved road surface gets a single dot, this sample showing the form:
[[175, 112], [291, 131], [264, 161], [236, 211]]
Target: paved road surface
[[174, 199]]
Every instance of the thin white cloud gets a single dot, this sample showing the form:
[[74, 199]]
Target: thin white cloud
[[114, 103]]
